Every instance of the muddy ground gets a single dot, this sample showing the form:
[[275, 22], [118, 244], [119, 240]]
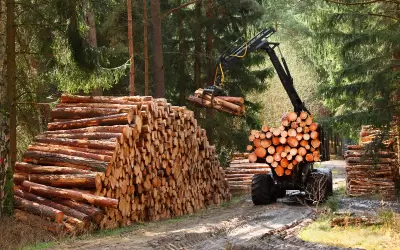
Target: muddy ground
[[236, 225]]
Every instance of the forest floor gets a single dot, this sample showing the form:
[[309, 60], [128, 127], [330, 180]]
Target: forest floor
[[239, 224]]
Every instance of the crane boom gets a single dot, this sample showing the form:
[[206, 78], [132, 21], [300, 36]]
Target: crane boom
[[259, 42]]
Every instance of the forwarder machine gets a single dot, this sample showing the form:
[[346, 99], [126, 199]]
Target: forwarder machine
[[314, 183]]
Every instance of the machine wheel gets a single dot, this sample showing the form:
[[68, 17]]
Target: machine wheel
[[262, 189], [319, 185]]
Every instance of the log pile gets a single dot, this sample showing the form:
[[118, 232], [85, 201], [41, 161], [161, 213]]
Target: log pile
[[370, 172], [240, 172], [369, 133], [284, 147], [113, 161], [228, 104]]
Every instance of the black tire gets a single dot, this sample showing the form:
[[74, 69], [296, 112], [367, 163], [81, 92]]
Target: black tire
[[319, 185], [262, 189]]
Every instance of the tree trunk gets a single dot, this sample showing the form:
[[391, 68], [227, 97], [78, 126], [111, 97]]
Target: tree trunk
[[157, 46], [8, 147], [146, 49], [4, 116], [197, 46], [92, 38], [181, 67], [209, 44], [131, 49]]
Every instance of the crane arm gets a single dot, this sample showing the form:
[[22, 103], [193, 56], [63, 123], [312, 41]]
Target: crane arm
[[259, 42]]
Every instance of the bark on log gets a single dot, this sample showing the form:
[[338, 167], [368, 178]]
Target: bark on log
[[66, 210], [104, 99], [216, 100], [28, 168], [38, 209], [47, 191], [86, 136], [91, 144], [117, 119], [88, 112], [66, 151], [81, 181], [39, 157], [94, 213], [95, 129], [232, 99], [59, 148], [206, 103], [361, 160]]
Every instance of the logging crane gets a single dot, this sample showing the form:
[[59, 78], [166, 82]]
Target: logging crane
[[315, 183]]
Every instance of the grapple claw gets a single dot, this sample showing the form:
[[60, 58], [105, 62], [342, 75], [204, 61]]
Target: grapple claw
[[213, 91]]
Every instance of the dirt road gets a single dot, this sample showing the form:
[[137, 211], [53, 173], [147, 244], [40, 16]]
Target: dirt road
[[237, 225]]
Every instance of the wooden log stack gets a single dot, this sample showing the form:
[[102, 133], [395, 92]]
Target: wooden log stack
[[284, 147], [241, 171], [370, 172], [229, 104], [113, 161]]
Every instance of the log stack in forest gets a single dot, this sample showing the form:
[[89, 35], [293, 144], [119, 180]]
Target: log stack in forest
[[371, 168], [284, 147], [113, 161], [240, 172], [228, 104]]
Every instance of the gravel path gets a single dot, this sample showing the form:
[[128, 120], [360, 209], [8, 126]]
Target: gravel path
[[239, 225]]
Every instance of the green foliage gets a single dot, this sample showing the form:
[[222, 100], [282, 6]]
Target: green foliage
[[351, 50], [70, 76]]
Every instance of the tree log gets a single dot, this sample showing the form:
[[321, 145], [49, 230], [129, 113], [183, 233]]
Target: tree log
[[88, 112], [105, 99], [216, 100], [207, 104], [81, 181], [66, 151], [95, 213], [37, 146], [66, 210], [117, 119], [47, 191], [86, 136], [360, 160], [28, 168], [38, 209], [91, 144], [232, 99], [39, 157]]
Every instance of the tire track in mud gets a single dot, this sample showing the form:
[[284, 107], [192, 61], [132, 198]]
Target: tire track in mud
[[274, 229]]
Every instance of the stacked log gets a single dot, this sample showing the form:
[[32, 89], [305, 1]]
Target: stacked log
[[113, 161], [284, 147], [370, 172], [369, 133], [228, 104]]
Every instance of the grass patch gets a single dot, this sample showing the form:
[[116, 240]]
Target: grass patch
[[385, 236], [15, 234]]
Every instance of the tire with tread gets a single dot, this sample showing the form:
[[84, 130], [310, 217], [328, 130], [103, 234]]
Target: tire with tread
[[262, 189]]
